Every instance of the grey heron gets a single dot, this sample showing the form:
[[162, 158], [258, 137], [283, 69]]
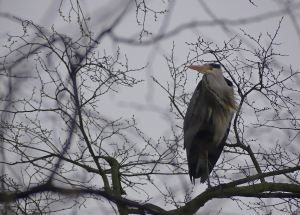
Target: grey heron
[[207, 121]]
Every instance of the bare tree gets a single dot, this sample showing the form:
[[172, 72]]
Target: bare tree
[[60, 152]]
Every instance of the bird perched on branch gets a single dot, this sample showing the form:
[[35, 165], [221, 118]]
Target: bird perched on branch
[[207, 121]]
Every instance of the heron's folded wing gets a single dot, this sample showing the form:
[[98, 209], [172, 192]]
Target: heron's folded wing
[[194, 117]]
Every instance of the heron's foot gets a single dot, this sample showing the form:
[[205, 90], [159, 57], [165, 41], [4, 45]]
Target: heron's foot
[[208, 188]]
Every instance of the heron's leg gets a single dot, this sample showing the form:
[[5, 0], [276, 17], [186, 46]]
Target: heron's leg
[[207, 168]]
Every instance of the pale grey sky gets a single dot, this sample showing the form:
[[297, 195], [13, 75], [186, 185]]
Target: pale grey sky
[[147, 101]]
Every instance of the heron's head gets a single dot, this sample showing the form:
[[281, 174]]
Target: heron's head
[[207, 68]]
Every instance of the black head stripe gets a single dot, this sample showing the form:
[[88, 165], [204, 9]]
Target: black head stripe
[[214, 65]]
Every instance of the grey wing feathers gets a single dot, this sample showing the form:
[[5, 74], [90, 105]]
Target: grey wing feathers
[[194, 117]]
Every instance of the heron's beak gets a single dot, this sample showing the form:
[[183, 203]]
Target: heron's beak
[[203, 69]]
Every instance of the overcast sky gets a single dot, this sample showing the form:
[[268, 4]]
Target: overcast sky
[[148, 103]]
